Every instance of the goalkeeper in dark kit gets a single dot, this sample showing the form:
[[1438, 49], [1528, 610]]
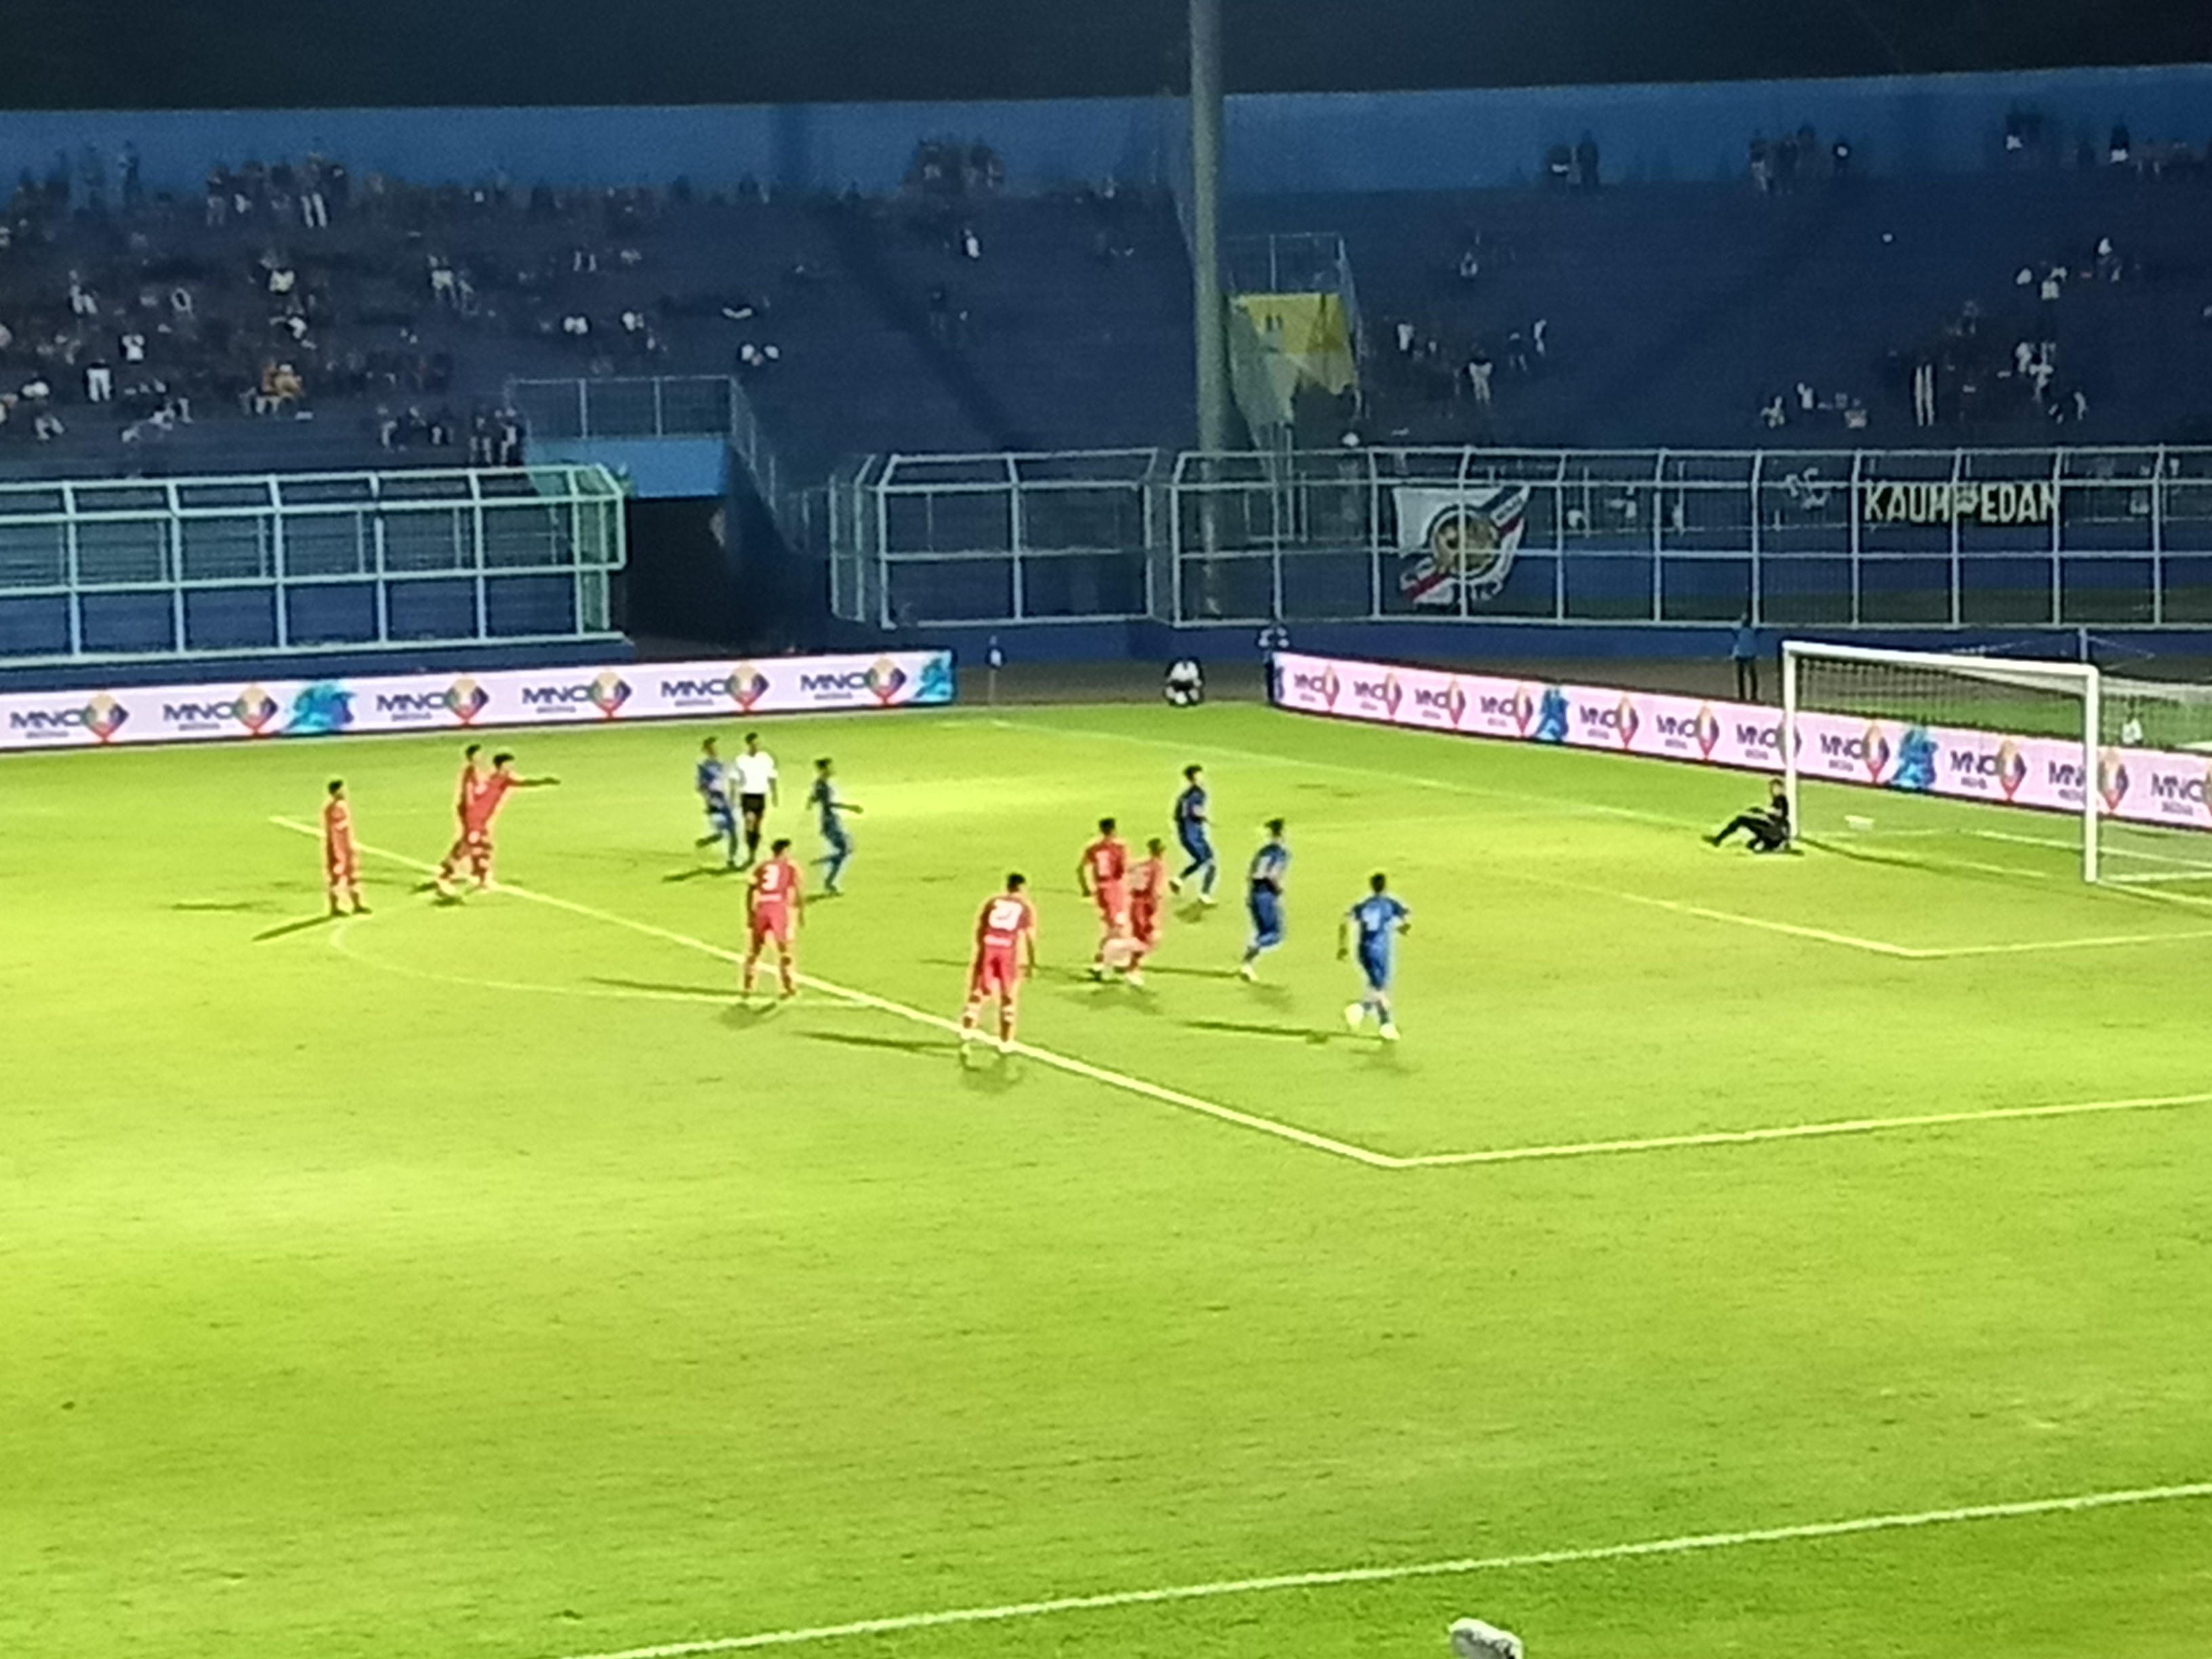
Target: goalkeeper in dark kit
[[1769, 830]]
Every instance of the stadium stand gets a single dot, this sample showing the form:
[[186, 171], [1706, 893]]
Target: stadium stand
[[298, 317], [294, 315], [2047, 307]]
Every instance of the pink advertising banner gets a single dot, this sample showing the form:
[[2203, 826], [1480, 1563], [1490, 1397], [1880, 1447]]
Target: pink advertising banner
[[2143, 786], [625, 693]]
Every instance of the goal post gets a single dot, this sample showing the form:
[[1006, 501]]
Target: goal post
[[2002, 731]]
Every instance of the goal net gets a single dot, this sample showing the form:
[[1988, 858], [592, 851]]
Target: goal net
[[2000, 762]]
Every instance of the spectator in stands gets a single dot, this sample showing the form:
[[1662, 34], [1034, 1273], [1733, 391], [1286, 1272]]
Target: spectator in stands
[[1923, 392], [1586, 163], [1559, 166], [2120, 146], [971, 246], [98, 382], [314, 205], [1784, 151], [1839, 160], [1762, 166], [1478, 371]]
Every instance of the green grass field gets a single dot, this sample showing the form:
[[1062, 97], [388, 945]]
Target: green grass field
[[481, 1281]]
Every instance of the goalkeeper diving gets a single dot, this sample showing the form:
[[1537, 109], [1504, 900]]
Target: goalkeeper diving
[[1768, 829]]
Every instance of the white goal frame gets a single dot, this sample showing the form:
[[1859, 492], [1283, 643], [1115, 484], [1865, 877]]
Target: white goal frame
[[2079, 679]]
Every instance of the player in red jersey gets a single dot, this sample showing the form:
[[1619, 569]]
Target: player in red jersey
[[477, 811], [471, 780], [341, 859], [1006, 953], [775, 904], [1148, 890], [1103, 876]]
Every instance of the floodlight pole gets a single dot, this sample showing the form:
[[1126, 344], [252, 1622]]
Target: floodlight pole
[[1206, 124], [1211, 333]]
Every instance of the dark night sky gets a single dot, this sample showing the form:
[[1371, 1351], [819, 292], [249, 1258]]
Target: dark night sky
[[122, 54]]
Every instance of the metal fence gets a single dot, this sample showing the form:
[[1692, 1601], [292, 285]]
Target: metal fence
[[1799, 539], [278, 564], [916, 540], [653, 406]]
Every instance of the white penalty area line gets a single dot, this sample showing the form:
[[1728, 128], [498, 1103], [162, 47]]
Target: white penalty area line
[[1691, 1544], [1554, 805], [858, 999], [1863, 1126], [1361, 1155]]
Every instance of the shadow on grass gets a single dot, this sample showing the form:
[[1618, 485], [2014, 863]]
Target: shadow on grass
[[933, 1048], [306, 923], [987, 1071], [222, 907], [704, 871], [717, 991], [1242, 1028]]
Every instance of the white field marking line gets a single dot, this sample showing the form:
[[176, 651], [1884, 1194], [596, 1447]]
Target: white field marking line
[[1863, 1126], [2031, 947], [1059, 1062], [1689, 1544], [1818, 935], [2108, 849], [1564, 808], [1361, 1155], [1551, 805], [1679, 907]]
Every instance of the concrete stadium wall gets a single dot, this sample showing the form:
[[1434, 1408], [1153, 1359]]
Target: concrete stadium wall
[[1286, 143]]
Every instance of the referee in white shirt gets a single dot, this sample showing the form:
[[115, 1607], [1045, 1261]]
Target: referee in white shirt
[[754, 771]]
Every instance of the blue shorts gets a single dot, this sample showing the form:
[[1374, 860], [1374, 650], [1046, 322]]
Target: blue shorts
[[722, 818], [1196, 843], [1266, 907], [1376, 965], [834, 838]]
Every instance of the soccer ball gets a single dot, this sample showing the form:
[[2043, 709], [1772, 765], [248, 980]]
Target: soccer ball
[[1185, 687], [1472, 1638]]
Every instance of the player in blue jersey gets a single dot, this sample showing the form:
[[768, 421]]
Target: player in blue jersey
[[1193, 830], [1270, 865], [712, 781], [1373, 925], [832, 807]]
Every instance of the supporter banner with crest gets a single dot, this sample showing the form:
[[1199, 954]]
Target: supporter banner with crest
[[1457, 543], [2168, 788], [505, 697]]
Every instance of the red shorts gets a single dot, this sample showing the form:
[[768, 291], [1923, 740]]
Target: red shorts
[[341, 862], [1113, 901], [1144, 922], [996, 974], [768, 925]]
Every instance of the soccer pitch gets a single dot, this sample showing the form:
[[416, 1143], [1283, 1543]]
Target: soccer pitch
[[480, 1280]]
